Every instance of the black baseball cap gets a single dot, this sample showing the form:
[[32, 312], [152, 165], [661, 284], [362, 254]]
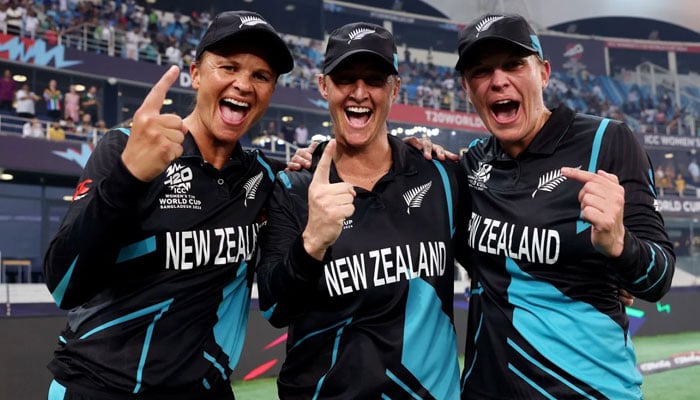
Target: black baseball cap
[[252, 27], [359, 38], [511, 29]]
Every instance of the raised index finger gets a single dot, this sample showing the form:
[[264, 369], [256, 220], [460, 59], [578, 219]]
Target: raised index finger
[[577, 174], [154, 100], [323, 169]]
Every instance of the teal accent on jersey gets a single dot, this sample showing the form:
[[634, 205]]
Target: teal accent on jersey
[[541, 366], [314, 333], [161, 307], [475, 142], [60, 290], [651, 265], [649, 268], [334, 357], [403, 385], [137, 249], [531, 382], [597, 141], [448, 194], [650, 172], [265, 165], [125, 131], [427, 327], [476, 353], [205, 383], [541, 311], [282, 176], [592, 166], [216, 364], [229, 331], [582, 226], [56, 391], [147, 345]]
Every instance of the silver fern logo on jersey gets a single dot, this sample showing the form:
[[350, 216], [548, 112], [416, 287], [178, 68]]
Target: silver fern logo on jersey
[[359, 33], [178, 178], [478, 178], [251, 187], [251, 20], [549, 181], [414, 197]]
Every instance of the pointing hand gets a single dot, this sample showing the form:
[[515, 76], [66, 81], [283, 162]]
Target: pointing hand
[[602, 201], [329, 205], [155, 139]]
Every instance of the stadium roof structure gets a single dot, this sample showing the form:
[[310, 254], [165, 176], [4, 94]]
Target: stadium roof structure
[[548, 14]]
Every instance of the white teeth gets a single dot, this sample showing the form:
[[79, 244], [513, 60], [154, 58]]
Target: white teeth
[[236, 102], [358, 110], [503, 102]]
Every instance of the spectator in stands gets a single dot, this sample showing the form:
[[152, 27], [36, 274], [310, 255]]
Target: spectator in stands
[[3, 17], [349, 211], [53, 98], [301, 135], [8, 87], [173, 54], [130, 196], [71, 102], [85, 128], [33, 129], [90, 104], [30, 23], [680, 184], [56, 131], [551, 326], [25, 103], [133, 40], [105, 34]]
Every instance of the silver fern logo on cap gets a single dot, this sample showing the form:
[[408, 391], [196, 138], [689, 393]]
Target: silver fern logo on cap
[[251, 20], [359, 33], [414, 197], [486, 23]]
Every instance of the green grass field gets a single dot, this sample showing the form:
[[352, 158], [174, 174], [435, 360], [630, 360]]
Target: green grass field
[[678, 384]]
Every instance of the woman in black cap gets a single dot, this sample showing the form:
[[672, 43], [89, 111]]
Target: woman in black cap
[[357, 256], [563, 215], [154, 258]]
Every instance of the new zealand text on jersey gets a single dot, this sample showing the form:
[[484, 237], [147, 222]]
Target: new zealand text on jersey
[[192, 249], [390, 265], [526, 243]]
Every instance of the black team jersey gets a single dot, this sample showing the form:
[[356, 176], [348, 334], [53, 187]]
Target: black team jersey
[[545, 321], [374, 319], [156, 275]]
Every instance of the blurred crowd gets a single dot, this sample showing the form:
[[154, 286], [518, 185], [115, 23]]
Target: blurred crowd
[[132, 30]]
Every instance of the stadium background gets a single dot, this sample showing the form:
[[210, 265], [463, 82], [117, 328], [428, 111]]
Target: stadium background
[[611, 58]]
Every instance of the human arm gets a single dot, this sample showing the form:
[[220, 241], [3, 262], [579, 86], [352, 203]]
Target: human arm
[[302, 157], [619, 202], [81, 258], [288, 273]]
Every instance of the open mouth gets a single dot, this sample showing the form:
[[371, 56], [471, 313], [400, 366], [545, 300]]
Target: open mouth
[[233, 111], [505, 111], [358, 116]]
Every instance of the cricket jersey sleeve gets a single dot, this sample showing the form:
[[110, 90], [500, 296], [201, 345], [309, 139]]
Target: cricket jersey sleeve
[[81, 257], [647, 263], [287, 275]]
